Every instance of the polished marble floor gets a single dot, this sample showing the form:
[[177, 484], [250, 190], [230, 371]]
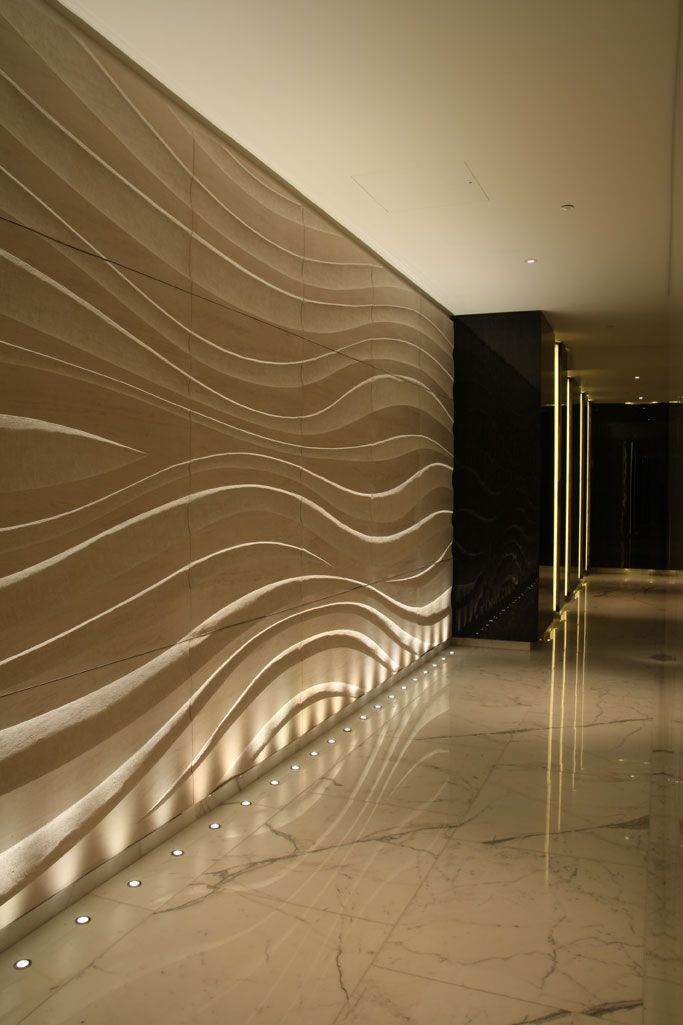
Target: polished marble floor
[[499, 843]]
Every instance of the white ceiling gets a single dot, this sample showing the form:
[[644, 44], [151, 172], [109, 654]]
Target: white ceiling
[[383, 111]]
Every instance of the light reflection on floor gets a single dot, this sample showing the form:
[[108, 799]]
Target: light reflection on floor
[[496, 841]]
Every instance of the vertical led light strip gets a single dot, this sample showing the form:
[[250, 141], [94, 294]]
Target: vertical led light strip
[[568, 490], [556, 482], [580, 527], [588, 486]]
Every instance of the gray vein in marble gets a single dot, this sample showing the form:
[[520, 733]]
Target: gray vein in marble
[[640, 823]]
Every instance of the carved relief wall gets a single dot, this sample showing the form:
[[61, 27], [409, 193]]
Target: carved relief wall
[[226, 461]]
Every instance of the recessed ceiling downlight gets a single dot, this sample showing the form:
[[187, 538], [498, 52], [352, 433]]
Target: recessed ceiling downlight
[[83, 920], [134, 883], [568, 208], [177, 853], [214, 825], [295, 767], [245, 804], [532, 259], [23, 962], [275, 782], [362, 716], [346, 729]]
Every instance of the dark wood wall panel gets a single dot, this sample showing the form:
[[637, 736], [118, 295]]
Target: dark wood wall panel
[[226, 458]]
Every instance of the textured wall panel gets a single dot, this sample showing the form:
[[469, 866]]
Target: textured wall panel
[[226, 461]]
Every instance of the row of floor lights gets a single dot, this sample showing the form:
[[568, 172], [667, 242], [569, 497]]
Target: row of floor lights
[[24, 962]]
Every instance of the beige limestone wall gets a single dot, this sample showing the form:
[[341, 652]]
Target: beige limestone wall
[[226, 461]]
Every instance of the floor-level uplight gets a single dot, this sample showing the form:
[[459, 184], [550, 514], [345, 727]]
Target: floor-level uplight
[[23, 962], [177, 853], [83, 919], [134, 883], [214, 825], [245, 804]]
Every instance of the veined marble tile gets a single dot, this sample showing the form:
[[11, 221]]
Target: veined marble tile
[[387, 997], [59, 951], [370, 879], [564, 812], [434, 774], [318, 822], [226, 957], [619, 748], [564, 932]]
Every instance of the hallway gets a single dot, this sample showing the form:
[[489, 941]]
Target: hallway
[[496, 840]]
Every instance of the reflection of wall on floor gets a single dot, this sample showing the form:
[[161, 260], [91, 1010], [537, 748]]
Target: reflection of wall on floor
[[227, 442]]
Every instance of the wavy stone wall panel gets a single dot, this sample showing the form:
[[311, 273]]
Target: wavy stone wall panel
[[93, 154], [226, 457]]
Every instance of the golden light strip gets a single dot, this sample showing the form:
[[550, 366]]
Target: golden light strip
[[579, 559], [549, 756], [560, 743], [568, 490], [576, 687], [588, 486], [556, 483]]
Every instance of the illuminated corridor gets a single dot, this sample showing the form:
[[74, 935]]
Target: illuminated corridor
[[497, 840]]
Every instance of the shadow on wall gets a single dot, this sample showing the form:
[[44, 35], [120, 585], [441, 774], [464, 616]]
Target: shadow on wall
[[227, 447]]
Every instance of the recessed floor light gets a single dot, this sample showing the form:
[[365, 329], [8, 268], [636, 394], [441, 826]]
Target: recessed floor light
[[347, 729], [82, 919], [177, 853], [245, 804], [23, 962], [214, 825], [275, 782]]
